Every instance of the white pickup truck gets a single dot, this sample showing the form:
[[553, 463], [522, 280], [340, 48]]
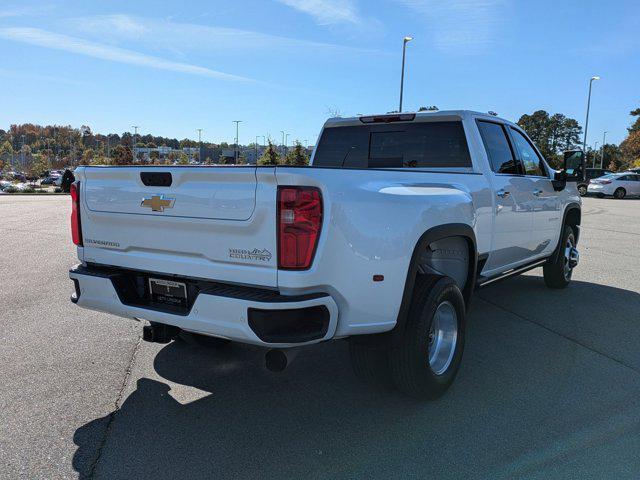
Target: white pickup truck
[[381, 240]]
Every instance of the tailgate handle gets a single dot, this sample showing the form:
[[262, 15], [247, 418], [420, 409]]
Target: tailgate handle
[[156, 179]]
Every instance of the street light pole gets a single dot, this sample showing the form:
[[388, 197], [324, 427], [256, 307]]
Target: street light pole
[[135, 134], [586, 123], [604, 139], [282, 131], [257, 136], [199, 144], [236, 153], [404, 53]]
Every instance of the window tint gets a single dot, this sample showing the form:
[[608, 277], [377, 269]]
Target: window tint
[[498, 149], [398, 145], [531, 161], [343, 147], [386, 146]]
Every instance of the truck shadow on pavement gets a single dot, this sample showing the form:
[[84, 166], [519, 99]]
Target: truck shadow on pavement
[[539, 391]]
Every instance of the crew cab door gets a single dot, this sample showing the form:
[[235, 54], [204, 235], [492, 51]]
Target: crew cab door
[[544, 200], [513, 205]]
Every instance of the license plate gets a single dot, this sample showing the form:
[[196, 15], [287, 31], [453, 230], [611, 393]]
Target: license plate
[[168, 292]]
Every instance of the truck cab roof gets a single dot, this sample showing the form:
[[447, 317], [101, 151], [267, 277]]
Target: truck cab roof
[[413, 117]]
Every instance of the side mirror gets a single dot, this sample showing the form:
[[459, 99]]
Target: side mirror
[[574, 166], [559, 180]]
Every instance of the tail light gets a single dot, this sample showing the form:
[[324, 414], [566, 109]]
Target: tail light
[[76, 232], [299, 223], [604, 182]]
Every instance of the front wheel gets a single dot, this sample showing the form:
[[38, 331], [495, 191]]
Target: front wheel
[[559, 268], [620, 193], [582, 190], [426, 361]]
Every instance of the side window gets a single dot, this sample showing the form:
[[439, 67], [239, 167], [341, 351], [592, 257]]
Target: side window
[[532, 162], [436, 144], [498, 149]]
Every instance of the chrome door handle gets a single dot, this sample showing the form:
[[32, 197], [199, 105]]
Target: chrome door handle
[[502, 193], [537, 192]]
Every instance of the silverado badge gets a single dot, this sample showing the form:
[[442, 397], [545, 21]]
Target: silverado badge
[[158, 203]]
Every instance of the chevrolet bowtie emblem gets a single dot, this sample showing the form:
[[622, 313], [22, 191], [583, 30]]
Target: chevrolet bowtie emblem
[[158, 203]]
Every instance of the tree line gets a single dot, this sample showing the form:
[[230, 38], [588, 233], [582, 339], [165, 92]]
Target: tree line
[[43, 148], [57, 146], [553, 134]]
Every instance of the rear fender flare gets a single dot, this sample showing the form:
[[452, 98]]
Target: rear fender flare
[[433, 234]]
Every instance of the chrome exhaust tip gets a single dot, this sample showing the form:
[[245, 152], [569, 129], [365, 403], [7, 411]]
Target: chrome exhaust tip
[[277, 360]]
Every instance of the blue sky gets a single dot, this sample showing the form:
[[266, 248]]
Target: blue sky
[[173, 67]]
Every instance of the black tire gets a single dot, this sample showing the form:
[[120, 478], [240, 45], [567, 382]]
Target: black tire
[[620, 193], [410, 365], [202, 340], [582, 190], [371, 364], [554, 272]]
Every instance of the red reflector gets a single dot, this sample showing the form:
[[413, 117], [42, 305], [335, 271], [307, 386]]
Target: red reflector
[[299, 222], [76, 232]]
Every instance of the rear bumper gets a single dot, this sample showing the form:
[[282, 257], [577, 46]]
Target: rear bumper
[[597, 189], [240, 314]]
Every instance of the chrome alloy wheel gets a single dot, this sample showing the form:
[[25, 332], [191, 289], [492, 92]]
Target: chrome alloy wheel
[[443, 337], [571, 257]]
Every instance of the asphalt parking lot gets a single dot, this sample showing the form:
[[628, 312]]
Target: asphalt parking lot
[[549, 387]]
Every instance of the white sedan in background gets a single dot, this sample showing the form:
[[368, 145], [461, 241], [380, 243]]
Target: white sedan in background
[[619, 185]]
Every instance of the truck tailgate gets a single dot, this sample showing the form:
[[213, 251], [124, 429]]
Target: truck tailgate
[[214, 223]]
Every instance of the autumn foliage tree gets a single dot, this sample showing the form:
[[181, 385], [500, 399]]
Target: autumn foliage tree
[[122, 155], [39, 166], [630, 147]]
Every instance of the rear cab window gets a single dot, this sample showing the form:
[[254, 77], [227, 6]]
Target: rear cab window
[[430, 144]]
